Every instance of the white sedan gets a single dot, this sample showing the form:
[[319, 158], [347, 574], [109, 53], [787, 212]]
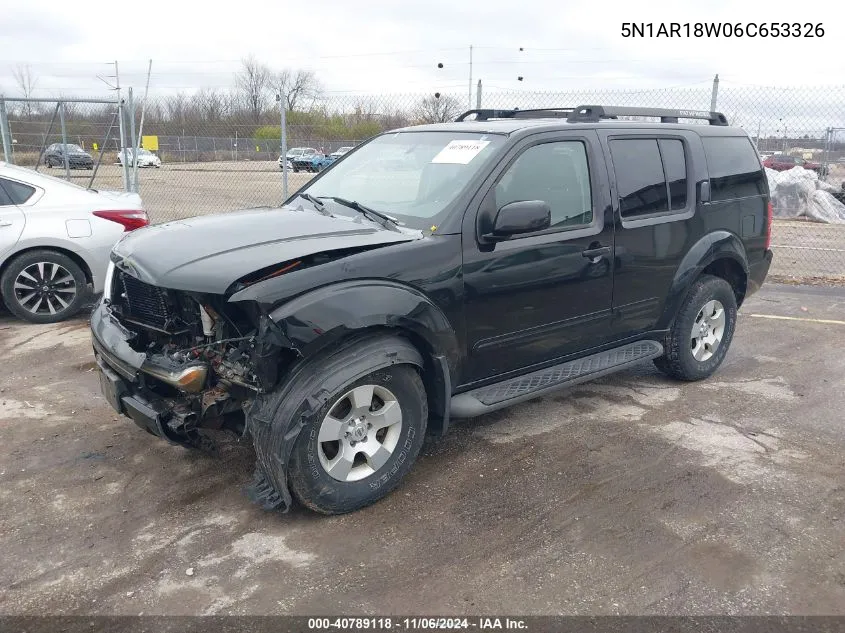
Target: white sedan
[[145, 158], [55, 240]]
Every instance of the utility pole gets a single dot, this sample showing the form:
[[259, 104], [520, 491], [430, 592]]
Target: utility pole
[[470, 76], [137, 146], [715, 93]]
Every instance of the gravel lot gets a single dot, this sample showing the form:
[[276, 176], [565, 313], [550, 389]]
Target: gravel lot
[[630, 495], [180, 190]]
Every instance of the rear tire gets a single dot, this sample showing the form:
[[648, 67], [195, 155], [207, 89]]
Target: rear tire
[[67, 287], [702, 331]]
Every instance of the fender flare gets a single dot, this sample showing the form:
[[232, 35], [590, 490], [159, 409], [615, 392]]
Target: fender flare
[[323, 316], [713, 246]]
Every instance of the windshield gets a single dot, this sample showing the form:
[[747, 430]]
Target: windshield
[[412, 175]]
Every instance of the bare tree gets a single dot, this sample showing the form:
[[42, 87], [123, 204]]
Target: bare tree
[[253, 83], [437, 109], [177, 106], [26, 82], [298, 86], [212, 104]]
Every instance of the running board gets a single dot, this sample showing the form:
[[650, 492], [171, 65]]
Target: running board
[[508, 392]]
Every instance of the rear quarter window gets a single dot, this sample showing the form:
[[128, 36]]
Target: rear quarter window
[[734, 167], [12, 192]]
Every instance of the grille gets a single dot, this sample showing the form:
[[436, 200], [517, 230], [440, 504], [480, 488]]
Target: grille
[[146, 303]]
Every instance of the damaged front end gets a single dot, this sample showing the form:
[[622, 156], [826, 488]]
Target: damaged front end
[[183, 365]]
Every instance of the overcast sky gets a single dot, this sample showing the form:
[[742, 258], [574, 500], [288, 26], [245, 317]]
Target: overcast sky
[[378, 46]]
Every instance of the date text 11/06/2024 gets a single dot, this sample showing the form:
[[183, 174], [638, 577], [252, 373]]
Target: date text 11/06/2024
[[723, 29], [412, 624]]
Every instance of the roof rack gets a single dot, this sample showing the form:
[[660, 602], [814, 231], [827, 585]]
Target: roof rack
[[595, 113], [516, 113]]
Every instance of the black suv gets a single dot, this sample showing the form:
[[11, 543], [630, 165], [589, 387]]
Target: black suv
[[435, 271]]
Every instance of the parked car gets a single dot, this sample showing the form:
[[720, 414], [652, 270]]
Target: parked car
[[77, 157], [340, 151], [296, 152], [312, 162], [784, 162], [440, 271], [55, 239], [282, 165], [145, 158]]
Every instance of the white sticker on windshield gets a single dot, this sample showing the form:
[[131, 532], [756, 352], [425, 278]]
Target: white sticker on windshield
[[460, 152]]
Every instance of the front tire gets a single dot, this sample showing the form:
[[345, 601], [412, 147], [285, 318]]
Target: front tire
[[361, 430], [44, 286], [702, 331]]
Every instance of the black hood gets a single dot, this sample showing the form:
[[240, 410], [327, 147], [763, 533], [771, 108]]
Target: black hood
[[209, 253]]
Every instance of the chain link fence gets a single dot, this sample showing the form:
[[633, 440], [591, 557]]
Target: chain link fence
[[220, 152]]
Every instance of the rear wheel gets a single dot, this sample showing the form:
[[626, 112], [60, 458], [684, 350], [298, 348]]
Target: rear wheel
[[702, 332], [43, 286]]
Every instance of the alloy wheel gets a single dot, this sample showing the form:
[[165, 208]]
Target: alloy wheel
[[45, 288], [360, 432], [708, 330]]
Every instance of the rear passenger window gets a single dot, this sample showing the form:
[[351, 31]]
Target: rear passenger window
[[12, 192], [651, 176], [734, 168]]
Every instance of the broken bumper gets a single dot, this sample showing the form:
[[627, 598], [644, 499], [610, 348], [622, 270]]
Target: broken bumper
[[122, 372]]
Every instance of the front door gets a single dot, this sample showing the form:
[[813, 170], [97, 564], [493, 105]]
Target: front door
[[539, 296]]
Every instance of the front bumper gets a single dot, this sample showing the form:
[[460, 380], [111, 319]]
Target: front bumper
[[123, 373]]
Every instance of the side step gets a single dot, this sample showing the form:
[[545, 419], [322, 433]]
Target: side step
[[514, 390]]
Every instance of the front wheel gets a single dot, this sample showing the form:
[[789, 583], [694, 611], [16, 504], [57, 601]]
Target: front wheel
[[358, 444], [702, 332]]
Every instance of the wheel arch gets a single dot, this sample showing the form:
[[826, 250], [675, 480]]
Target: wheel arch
[[721, 254], [322, 318], [77, 259]]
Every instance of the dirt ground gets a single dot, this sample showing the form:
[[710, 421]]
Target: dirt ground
[[630, 495]]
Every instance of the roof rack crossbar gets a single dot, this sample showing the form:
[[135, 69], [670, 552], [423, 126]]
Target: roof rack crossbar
[[595, 113], [516, 113]]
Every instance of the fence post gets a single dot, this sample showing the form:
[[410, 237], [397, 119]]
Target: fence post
[[715, 93], [5, 132], [283, 138], [134, 141], [478, 96], [64, 139], [121, 115]]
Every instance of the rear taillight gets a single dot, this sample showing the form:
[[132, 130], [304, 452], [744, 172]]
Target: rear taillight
[[769, 217], [131, 219]]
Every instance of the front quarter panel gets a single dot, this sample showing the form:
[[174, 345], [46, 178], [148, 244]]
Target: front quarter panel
[[318, 318]]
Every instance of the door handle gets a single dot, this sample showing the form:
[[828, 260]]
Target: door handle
[[595, 254], [5, 223]]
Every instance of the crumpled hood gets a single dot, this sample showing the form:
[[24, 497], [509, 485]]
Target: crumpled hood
[[209, 253]]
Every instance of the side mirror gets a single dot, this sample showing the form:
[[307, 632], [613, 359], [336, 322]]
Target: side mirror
[[523, 216]]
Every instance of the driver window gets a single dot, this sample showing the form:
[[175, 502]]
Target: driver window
[[556, 173]]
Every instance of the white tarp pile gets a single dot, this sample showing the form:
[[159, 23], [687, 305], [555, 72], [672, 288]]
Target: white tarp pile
[[798, 193]]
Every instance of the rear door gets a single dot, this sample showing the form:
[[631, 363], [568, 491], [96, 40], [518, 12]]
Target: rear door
[[12, 219], [654, 199]]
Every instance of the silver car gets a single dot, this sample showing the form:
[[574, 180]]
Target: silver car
[[55, 239]]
